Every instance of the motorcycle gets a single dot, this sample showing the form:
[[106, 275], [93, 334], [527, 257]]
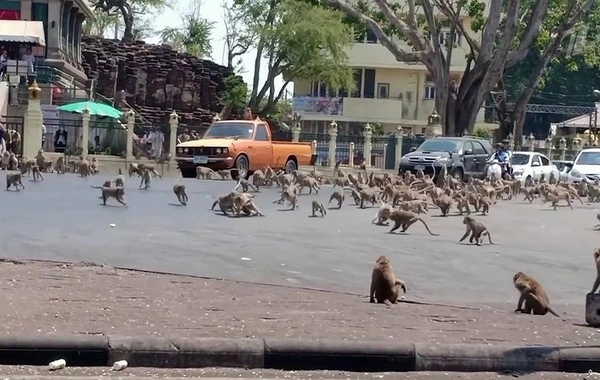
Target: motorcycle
[[498, 170]]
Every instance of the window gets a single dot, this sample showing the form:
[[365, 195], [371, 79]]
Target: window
[[364, 35], [261, 133], [321, 90], [429, 87], [545, 161], [445, 35], [369, 84], [535, 159], [588, 158], [440, 145], [468, 146], [478, 148], [383, 90], [357, 90]]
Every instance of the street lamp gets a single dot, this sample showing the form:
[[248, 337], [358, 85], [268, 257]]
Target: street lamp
[[333, 125]]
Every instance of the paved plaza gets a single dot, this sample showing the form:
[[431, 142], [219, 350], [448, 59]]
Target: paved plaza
[[61, 218]]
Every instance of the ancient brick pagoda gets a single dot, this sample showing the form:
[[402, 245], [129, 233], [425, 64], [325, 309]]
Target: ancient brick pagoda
[[155, 79]]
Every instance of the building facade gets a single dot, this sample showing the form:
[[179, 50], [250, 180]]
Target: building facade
[[62, 27], [390, 93]]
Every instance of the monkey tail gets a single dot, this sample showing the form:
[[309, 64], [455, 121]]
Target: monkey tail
[[553, 312], [375, 218], [427, 227], [489, 236], [96, 187], [237, 186]]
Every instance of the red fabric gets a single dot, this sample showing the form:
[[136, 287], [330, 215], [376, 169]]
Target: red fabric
[[10, 15]]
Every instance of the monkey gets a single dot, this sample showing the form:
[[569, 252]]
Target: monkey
[[311, 183], [244, 184], [83, 167], [145, 179], [552, 179], [597, 282], [26, 166], [179, 191], [225, 203], [316, 206], [13, 162], [462, 204], [529, 192], [476, 229], [14, 179], [383, 214], [405, 219], [4, 161], [245, 202], [105, 184], [36, 172], [120, 181], [289, 194], [369, 195], [59, 167], [384, 284], [555, 198], [113, 192], [225, 174], [40, 159], [416, 206], [134, 169], [204, 172], [339, 197], [484, 204], [445, 203], [258, 179], [533, 294]]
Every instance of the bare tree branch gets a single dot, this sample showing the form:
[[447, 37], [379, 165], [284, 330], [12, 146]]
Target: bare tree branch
[[532, 30]]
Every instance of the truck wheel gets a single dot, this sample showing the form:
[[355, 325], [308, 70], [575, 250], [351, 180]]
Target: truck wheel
[[242, 165], [290, 166], [457, 174], [188, 173]]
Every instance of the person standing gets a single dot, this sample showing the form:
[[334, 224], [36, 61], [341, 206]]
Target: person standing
[[60, 140], [157, 138], [43, 135]]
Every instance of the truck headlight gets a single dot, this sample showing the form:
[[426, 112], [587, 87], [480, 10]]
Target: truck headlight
[[179, 150], [443, 161], [185, 150], [575, 173], [225, 150], [218, 150]]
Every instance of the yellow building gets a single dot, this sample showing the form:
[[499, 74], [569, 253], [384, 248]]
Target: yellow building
[[388, 92]]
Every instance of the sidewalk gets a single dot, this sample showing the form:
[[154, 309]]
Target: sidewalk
[[89, 299]]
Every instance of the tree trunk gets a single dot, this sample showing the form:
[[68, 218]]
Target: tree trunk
[[128, 24]]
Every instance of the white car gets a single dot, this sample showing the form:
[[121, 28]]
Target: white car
[[532, 165], [586, 166]]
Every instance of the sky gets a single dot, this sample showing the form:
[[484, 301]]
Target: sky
[[213, 11]]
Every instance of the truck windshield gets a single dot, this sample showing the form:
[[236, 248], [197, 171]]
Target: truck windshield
[[239, 130], [588, 158], [440, 145]]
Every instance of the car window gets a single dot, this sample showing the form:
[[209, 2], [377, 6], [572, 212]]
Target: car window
[[440, 145], [520, 159], [468, 146], [588, 158], [261, 133], [536, 158], [489, 149], [545, 161], [478, 148]]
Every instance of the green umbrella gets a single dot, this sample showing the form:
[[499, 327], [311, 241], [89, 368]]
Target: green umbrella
[[97, 109]]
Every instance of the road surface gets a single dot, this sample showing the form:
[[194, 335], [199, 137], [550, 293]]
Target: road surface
[[62, 218]]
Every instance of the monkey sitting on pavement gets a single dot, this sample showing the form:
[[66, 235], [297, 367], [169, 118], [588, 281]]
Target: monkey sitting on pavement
[[533, 295], [385, 287], [318, 207], [179, 191], [14, 179], [476, 229]]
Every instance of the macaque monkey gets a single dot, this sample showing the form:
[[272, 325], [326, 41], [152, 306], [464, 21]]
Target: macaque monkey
[[134, 169], [385, 287], [36, 172], [339, 197], [204, 172], [406, 219], [533, 295], [318, 207], [59, 167], [151, 169], [113, 192], [120, 180], [245, 185], [179, 191], [14, 179], [476, 229], [145, 179]]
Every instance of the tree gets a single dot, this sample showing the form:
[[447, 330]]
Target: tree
[[194, 34], [101, 24], [130, 11], [298, 40], [239, 37], [419, 25]]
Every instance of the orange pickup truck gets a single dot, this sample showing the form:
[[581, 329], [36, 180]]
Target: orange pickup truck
[[243, 146]]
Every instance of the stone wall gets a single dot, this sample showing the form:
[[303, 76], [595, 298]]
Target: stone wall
[[155, 80]]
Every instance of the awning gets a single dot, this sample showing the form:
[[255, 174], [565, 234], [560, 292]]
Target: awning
[[27, 32]]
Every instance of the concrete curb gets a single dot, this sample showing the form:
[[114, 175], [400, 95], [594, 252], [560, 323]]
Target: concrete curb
[[297, 354]]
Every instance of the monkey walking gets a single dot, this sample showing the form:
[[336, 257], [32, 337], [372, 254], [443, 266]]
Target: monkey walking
[[146, 178], [406, 219], [533, 295], [318, 207], [245, 185], [113, 192], [179, 191], [476, 229], [14, 179], [36, 172], [385, 287], [339, 197], [120, 180]]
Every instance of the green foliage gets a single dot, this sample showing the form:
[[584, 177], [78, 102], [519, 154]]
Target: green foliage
[[299, 40], [236, 93], [482, 132], [377, 129], [193, 36], [281, 111], [133, 18]]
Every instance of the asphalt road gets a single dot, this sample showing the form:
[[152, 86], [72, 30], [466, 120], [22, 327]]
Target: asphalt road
[[62, 218]]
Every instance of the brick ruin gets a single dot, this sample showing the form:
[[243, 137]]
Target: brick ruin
[[155, 80]]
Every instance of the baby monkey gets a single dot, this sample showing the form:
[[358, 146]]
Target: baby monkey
[[318, 207], [179, 191], [476, 229]]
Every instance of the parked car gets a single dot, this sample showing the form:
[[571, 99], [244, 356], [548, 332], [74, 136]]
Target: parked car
[[463, 157], [241, 145], [586, 166], [564, 168], [531, 166]]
